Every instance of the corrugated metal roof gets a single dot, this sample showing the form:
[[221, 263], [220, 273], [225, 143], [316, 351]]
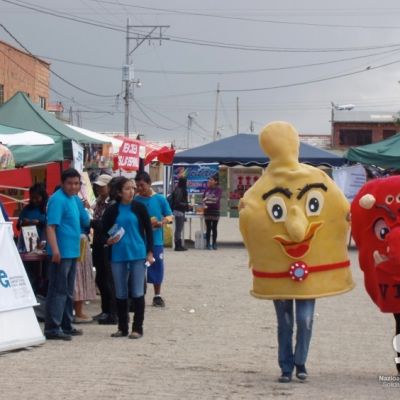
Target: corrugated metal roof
[[363, 116]]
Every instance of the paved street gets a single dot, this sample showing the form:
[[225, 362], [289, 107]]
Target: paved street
[[212, 341]]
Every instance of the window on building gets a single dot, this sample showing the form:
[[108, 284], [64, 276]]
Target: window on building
[[388, 133], [43, 103], [354, 137], [1, 94]]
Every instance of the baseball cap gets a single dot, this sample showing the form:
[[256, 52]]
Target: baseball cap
[[103, 180]]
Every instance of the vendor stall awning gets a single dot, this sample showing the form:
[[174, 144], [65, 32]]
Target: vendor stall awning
[[384, 154], [19, 112], [28, 138], [116, 143], [244, 149]]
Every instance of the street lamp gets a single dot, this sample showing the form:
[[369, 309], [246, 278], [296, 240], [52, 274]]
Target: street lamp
[[191, 116]]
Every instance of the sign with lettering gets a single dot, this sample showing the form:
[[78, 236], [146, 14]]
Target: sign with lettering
[[197, 175], [15, 289], [128, 155]]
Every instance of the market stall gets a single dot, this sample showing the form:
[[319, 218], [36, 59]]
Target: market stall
[[240, 163]]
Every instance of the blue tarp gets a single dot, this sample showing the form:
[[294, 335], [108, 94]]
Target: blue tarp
[[243, 149]]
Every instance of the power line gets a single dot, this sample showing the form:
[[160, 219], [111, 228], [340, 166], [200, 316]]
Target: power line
[[311, 81], [223, 72], [200, 42], [162, 115], [54, 73], [44, 10], [42, 82], [247, 19], [150, 119]]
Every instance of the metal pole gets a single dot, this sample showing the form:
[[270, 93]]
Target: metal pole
[[216, 114], [237, 115], [127, 84], [189, 124]]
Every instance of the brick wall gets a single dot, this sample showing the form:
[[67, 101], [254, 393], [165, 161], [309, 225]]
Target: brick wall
[[20, 71], [377, 131]]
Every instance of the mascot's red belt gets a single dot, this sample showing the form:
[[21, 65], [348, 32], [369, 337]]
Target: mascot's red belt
[[299, 270]]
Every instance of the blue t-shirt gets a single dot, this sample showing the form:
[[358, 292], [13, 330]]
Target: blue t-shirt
[[131, 246], [158, 207], [68, 214], [34, 213]]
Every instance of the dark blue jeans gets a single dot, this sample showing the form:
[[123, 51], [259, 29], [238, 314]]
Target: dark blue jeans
[[129, 276], [60, 296], [304, 321]]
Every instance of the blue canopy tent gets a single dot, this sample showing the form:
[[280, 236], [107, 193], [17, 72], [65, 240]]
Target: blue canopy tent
[[243, 149]]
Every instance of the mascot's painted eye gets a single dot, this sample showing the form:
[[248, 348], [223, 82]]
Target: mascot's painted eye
[[389, 199], [398, 198], [276, 208], [381, 229], [314, 203]]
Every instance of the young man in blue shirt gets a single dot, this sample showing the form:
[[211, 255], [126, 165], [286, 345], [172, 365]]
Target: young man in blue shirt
[[160, 213], [65, 217]]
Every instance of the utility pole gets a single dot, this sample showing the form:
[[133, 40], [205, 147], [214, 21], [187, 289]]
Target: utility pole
[[191, 117], [237, 115], [216, 114], [155, 32]]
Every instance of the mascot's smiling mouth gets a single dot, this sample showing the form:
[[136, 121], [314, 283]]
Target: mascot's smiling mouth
[[379, 258], [299, 249]]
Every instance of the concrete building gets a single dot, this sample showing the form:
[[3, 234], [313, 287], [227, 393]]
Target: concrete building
[[20, 71], [357, 128]]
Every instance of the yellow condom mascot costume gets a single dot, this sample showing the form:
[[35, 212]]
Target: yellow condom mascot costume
[[294, 222]]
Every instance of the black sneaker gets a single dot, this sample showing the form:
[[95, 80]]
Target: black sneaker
[[158, 301], [109, 320], [301, 372], [74, 332], [119, 334], [100, 316], [286, 377], [58, 336]]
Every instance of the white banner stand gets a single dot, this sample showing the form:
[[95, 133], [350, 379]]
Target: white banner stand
[[18, 324]]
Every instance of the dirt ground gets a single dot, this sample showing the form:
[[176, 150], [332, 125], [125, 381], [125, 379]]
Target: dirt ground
[[212, 341]]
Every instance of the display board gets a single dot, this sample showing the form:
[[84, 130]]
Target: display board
[[240, 180], [18, 324]]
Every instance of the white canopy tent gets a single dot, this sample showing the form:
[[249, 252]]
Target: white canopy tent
[[28, 138], [116, 143]]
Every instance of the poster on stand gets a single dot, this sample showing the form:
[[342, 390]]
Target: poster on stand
[[15, 289], [197, 175], [86, 191], [77, 152], [241, 179], [350, 179]]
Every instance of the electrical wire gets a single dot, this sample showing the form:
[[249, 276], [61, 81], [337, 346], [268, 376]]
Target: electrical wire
[[247, 19], [225, 72], [54, 73], [369, 68], [150, 119], [201, 42]]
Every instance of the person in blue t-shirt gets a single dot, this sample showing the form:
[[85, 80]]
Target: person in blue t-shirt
[[66, 216], [127, 230], [160, 214], [34, 213]]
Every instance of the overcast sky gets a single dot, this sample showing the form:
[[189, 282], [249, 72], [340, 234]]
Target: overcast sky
[[266, 53]]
